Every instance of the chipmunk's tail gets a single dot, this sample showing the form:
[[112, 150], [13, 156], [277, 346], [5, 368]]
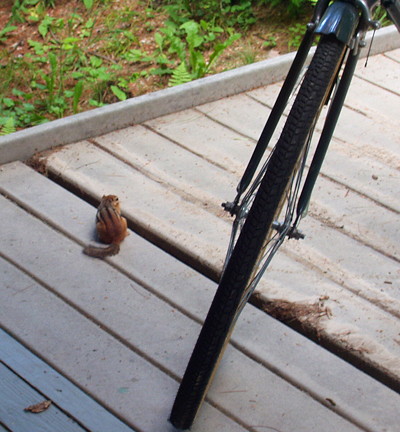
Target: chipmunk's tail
[[101, 252]]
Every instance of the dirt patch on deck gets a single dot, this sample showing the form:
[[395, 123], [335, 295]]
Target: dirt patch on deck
[[303, 315]]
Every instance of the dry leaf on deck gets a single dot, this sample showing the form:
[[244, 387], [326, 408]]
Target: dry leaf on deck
[[39, 407]]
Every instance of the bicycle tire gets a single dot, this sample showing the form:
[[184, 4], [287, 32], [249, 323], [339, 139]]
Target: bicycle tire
[[257, 228]]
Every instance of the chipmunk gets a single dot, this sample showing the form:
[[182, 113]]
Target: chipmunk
[[111, 228]]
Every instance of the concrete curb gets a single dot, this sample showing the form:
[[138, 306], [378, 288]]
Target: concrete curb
[[23, 144]]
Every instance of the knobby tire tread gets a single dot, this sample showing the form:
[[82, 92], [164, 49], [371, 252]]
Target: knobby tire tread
[[222, 314]]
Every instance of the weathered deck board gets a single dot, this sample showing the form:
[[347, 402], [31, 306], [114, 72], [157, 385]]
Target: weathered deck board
[[381, 71], [151, 206], [123, 329], [347, 257], [107, 369], [53, 386], [16, 395], [136, 316]]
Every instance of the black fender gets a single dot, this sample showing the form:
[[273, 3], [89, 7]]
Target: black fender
[[341, 19]]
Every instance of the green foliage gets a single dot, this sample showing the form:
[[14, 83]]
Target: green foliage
[[118, 92], [88, 4], [20, 109], [7, 29], [181, 49], [180, 75], [195, 39], [91, 57], [7, 125], [380, 15], [271, 42], [58, 70], [292, 6], [77, 94], [222, 12], [31, 10], [296, 35]]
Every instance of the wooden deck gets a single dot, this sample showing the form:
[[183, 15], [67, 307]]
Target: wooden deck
[[119, 332], [26, 380]]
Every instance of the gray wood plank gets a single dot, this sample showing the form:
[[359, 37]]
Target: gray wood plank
[[58, 389], [112, 309], [359, 127], [376, 139], [205, 137], [209, 233], [347, 162], [153, 208], [355, 176], [257, 333], [381, 70], [16, 395], [350, 212], [171, 165], [110, 371], [373, 102], [394, 55]]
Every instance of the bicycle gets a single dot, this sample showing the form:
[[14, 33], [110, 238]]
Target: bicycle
[[270, 203]]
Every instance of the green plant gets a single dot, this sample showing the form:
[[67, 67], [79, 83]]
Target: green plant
[[180, 75], [196, 61], [187, 42], [296, 35], [77, 94], [94, 52], [50, 80], [20, 109], [248, 54], [270, 42], [32, 9], [18, 11], [7, 125], [64, 67], [88, 4], [7, 29], [227, 12], [380, 15], [240, 14], [292, 6]]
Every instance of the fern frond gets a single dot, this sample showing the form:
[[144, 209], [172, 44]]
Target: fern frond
[[180, 75], [8, 126]]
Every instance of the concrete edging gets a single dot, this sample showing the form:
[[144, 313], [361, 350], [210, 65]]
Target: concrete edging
[[23, 144]]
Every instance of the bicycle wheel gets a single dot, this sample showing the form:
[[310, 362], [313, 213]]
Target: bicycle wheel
[[261, 234]]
